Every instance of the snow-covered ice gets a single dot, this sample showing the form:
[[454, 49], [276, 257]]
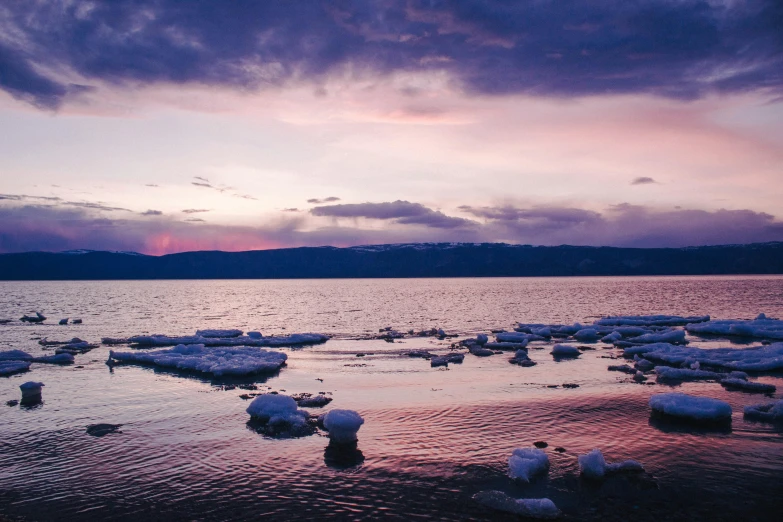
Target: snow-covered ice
[[672, 336], [521, 358], [482, 339], [593, 465], [15, 355], [770, 411], [12, 367], [761, 358], [517, 337], [525, 463], [761, 327], [64, 321], [587, 335], [240, 360], [343, 425], [565, 350], [296, 339], [506, 345], [254, 335], [690, 407], [622, 368], [667, 373], [651, 320], [60, 358], [748, 386], [280, 415], [540, 508], [219, 333], [31, 390]]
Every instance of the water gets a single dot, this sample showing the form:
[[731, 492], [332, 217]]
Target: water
[[432, 437]]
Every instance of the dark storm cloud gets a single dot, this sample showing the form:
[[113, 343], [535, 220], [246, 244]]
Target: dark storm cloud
[[681, 49], [643, 180], [403, 212]]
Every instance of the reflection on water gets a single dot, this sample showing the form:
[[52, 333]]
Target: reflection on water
[[432, 437]]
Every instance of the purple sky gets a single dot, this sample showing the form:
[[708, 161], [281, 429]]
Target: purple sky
[[164, 126]]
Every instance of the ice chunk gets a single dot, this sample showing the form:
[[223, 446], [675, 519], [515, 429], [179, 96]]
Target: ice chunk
[[749, 386], [221, 334], [279, 415], [517, 337], [593, 465], [482, 339], [690, 407], [639, 377], [37, 318], [521, 358], [612, 337], [440, 360], [643, 365], [770, 412], [64, 321], [525, 463], [15, 355], [60, 358], [31, 390], [540, 508], [587, 335], [12, 367], [672, 336], [622, 368], [667, 373], [240, 360], [343, 425], [478, 351], [761, 327], [651, 320], [761, 358], [565, 350], [254, 335], [507, 346]]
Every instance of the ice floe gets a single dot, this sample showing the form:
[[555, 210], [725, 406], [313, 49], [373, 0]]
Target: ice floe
[[444, 360], [770, 411], [762, 358], [240, 360], [760, 327], [31, 390], [521, 358], [690, 407], [297, 339], [343, 425], [748, 386], [63, 321], [279, 415], [517, 337], [565, 350], [587, 335], [671, 337], [622, 368], [540, 508], [506, 345], [592, 465], [220, 334], [525, 463], [650, 320], [12, 367]]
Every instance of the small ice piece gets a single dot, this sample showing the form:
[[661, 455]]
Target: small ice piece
[[612, 337], [37, 318], [441, 333], [525, 463], [540, 508], [622, 368], [12, 367], [690, 407], [239, 360], [343, 425], [482, 339], [587, 335], [478, 351], [64, 321], [31, 390], [254, 335], [220, 334], [278, 411], [593, 465], [667, 373], [543, 332], [455, 357], [770, 412], [312, 401], [672, 336], [748, 386], [60, 358], [77, 321], [521, 358], [639, 377], [643, 365], [564, 350], [440, 360]]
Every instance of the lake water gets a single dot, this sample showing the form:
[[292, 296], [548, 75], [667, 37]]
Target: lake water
[[432, 436]]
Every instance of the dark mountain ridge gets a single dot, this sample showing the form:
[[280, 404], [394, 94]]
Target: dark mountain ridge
[[404, 260]]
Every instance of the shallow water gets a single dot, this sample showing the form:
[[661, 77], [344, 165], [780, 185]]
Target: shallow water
[[432, 437]]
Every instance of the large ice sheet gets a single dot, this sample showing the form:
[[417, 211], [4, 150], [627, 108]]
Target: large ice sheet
[[240, 360], [651, 320], [525, 463], [691, 407], [761, 327], [761, 358]]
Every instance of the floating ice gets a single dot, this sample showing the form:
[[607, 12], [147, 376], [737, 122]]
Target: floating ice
[[761, 327], [12, 367], [517, 337], [521, 358], [280, 415], [639, 377], [525, 463], [306, 400], [60, 358], [37, 318], [748, 386], [31, 390], [565, 350], [643, 365], [770, 412], [480, 351], [482, 339], [587, 335], [254, 335], [75, 347], [651, 320], [593, 465], [690, 407], [221, 334], [622, 368], [761, 358], [343, 425], [541, 508], [15, 355], [507, 346], [612, 337], [64, 321], [283, 340], [240, 360], [667, 373], [440, 360], [672, 336]]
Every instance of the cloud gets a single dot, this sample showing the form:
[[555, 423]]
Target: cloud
[[55, 200], [245, 196], [195, 210], [402, 212], [316, 201], [684, 49], [205, 180], [150, 185], [290, 210], [152, 213], [643, 180]]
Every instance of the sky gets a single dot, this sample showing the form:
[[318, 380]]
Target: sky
[[165, 126]]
